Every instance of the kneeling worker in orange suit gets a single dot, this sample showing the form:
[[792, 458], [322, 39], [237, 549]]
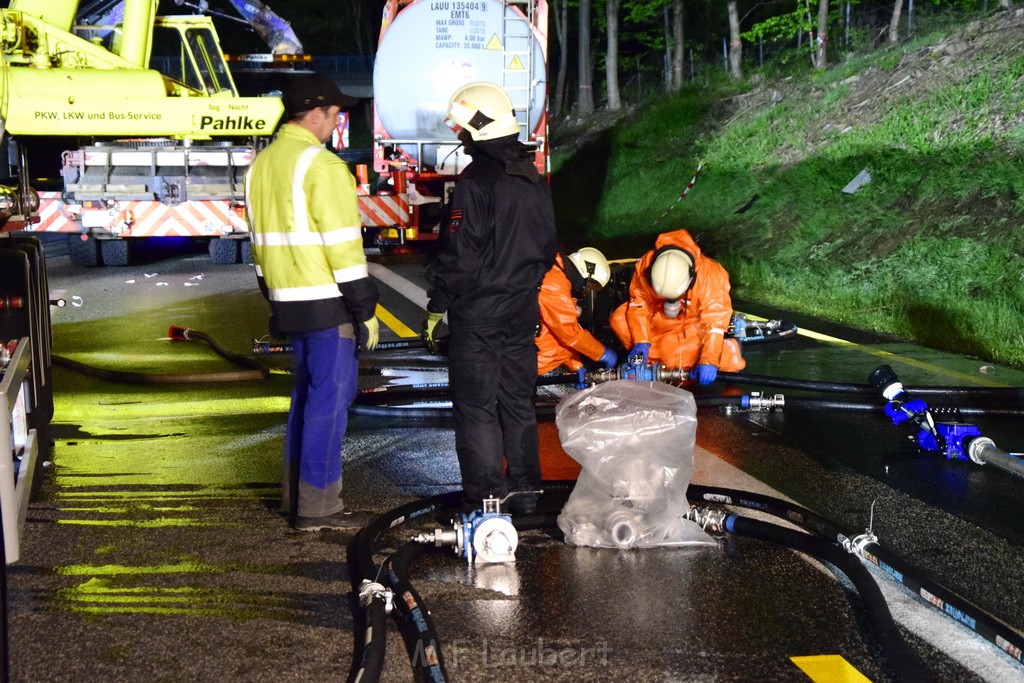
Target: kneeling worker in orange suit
[[562, 340], [679, 310]]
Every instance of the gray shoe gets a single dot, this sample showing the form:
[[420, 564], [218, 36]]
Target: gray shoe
[[346, 519]]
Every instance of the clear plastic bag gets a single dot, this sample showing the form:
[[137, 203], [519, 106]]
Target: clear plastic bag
[[634, 441]]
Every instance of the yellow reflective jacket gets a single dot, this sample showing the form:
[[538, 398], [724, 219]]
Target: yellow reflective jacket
[[306, 236]]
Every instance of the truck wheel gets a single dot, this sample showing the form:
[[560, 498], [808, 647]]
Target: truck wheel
[[114, 252], [85, 252], [224, 251], [245, 252]]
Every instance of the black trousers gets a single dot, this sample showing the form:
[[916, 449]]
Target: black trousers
[[492, 374]]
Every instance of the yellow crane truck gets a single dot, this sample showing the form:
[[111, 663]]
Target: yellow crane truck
[[157, 137]]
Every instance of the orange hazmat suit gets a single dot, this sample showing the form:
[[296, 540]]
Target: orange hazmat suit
[[561, 340], [697, 335]]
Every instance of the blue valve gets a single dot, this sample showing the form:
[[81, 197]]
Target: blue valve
[[637, 369]]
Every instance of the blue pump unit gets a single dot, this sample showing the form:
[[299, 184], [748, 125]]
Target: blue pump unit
[[950, 438]]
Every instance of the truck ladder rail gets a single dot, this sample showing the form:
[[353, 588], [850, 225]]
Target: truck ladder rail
[[519, 47]]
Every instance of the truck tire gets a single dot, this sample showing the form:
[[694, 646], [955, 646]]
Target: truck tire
[[224, 251], [245, 252], [83, 252], [114, 252]]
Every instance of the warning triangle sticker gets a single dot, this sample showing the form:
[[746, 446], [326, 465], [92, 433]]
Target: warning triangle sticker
[[516, 65], [494, 43]]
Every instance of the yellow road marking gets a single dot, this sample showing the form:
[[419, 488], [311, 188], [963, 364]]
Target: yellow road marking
[[829, 669], [888, 355], [395, 325]]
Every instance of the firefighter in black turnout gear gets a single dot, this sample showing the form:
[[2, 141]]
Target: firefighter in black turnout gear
[[497, 242]]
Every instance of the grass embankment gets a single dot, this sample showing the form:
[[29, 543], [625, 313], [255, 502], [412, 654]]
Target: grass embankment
[[931, 250]]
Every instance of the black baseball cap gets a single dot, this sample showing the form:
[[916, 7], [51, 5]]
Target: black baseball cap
[[310, 91]]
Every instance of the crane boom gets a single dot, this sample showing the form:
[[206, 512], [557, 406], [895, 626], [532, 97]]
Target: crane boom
[[275, 31], [272, 29]]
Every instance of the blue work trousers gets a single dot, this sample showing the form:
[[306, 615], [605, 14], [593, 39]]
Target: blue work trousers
[[326, 375], [492, 374]]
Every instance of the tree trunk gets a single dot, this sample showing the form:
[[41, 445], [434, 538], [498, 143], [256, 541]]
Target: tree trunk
[[894, 24], [678, 51], [561, 14], [666, 72], [735, 43], [611, 56], [585, 101], [820, 60]]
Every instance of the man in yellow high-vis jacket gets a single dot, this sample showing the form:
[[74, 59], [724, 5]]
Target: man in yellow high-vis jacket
[[308, 251]]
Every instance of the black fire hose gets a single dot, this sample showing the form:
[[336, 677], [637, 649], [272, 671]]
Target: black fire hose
[[369, 634], [904, 664], [371, 639], [975, 618], [1015, 394], [369, 642], [421, 639], [255, 371], [999, 393], [379, 402]]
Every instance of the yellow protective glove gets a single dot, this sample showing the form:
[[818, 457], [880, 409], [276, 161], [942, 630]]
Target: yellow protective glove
[[429, 326], [372, 333]]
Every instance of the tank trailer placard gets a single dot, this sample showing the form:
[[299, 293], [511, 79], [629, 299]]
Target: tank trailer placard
[[454, 42], [458, 25]]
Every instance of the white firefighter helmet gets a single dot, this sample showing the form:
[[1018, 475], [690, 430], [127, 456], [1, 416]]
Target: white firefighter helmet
[[483, 109], [592, 265], [670, 273]]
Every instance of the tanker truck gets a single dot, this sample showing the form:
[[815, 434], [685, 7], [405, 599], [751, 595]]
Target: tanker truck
[[427, 49], [165, 146]]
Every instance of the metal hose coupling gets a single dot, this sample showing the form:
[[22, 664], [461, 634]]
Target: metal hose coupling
[[758, 402], [624, 527], [707, 519], [371, 590], [647, 372], [856, 545], [177, 333], [438, 537], [984, 451]]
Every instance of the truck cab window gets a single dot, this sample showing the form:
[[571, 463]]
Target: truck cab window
[[210, 60], [170, 58]]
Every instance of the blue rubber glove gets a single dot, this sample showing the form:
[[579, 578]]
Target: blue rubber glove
[[704, 374], [609, 359], [581, 378], [641, 349]]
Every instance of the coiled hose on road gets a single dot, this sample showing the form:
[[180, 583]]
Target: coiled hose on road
[[423, 643]]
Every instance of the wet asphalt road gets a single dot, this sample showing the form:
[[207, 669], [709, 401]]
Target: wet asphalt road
[[153, 550]]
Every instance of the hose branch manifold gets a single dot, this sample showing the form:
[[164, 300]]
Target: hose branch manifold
[[647, 372]]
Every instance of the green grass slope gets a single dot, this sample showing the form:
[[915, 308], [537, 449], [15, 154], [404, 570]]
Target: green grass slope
[[931, 250]]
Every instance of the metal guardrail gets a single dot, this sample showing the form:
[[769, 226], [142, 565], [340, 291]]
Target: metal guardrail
[[17, 465]]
